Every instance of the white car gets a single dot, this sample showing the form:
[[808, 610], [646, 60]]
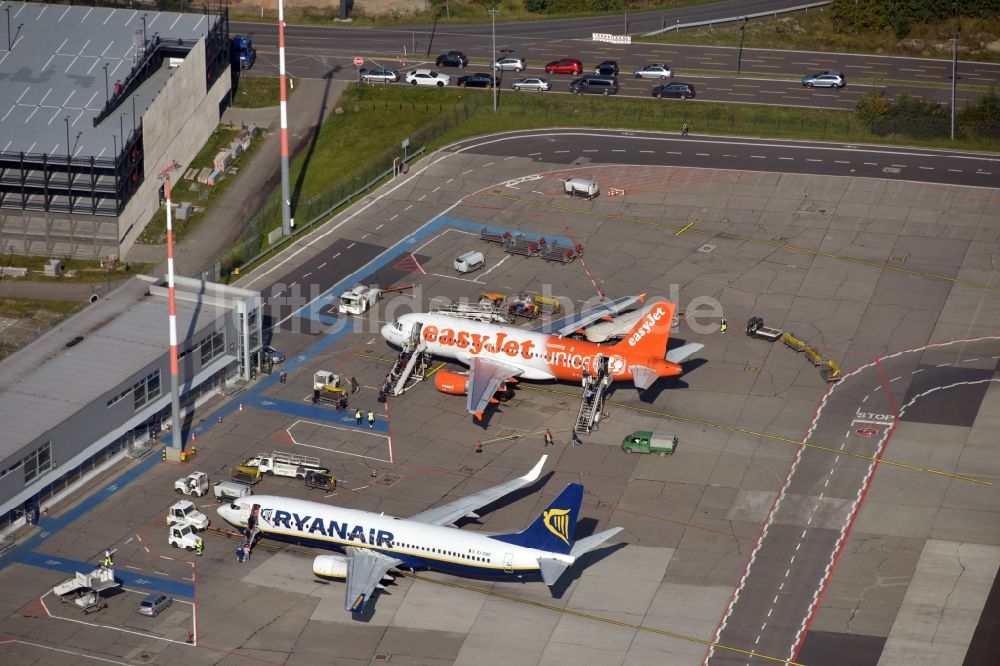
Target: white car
[[654, 71], [536, 83], [427, 77]]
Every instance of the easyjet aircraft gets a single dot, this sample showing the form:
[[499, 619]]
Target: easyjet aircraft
[[497, 354]]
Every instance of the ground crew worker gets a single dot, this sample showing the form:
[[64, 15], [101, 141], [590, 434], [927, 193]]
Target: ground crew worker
[[107, 558], [723, 326], [548, 437], [357, 416], [371, 419], [684, 130], [282, 377], [198, 548], [575, 439], [355, 387]]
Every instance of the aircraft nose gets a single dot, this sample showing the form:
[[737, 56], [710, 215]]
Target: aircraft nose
[[227, 513], [387, 332]]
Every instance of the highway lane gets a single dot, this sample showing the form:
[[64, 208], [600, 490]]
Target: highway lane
[[413, 43]]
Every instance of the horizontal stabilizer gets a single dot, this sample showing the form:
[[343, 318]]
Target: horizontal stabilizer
[[551, 569], [681, 354], [642, 376], [588, 544]]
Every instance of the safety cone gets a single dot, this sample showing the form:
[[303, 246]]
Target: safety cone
[[190, 637], [479, 447]]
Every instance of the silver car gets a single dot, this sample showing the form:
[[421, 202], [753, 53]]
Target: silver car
[[827, 79], [536, 83], [380, 75], [654, 71], [153, 604], [272, 354], [510, 63]]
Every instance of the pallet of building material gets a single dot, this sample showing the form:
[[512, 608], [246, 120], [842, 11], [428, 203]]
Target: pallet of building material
[[190, 174], [203, 175], [222, 160]]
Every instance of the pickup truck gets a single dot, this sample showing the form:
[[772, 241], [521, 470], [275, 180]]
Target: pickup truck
[[184, 513], [643, 441]]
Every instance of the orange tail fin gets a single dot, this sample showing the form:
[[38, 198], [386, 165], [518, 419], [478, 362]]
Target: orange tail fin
[[650, 334]]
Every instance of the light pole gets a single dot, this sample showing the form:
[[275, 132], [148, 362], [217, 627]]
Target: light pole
[[9, 45], [69, 149], [493, 29], [739, 55], [954, 67], [107, 97]]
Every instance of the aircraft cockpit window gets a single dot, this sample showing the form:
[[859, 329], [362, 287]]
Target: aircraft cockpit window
[[397, 325]]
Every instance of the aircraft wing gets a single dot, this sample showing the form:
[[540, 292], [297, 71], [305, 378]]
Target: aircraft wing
[[574, 322], [365, 569], [485, 377], [449, 513]]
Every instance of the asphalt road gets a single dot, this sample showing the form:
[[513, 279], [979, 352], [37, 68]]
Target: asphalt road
[[320, 51]]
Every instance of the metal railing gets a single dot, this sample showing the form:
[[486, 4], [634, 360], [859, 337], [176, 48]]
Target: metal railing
[[734, 19]]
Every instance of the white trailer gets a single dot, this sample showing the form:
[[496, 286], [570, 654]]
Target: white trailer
[[358, 299]]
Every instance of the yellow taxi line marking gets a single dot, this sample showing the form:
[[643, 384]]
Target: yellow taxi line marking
[[776, 438], [599, 618], [749, 239], [686, 226]]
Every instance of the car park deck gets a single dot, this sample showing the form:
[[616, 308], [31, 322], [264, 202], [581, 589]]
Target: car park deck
[[862, 268]]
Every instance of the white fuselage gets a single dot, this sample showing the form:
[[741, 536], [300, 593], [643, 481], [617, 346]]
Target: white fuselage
[[417, 544], [539, 356]]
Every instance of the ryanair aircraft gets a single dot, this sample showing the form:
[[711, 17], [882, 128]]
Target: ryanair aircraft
[[374, 543]]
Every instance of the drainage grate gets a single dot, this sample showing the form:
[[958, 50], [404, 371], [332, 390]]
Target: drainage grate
[[381, 657], [706, 248]]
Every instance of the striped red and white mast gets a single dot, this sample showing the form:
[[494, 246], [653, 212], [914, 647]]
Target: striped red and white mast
[[176, 437], [286, 203]]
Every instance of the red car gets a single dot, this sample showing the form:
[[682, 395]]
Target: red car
[[564, 66]]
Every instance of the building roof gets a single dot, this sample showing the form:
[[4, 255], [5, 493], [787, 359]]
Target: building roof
[[56, 71], [47, 382]]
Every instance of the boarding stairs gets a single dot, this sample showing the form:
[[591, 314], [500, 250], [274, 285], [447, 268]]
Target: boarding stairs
[[595, 389], [411, 363]]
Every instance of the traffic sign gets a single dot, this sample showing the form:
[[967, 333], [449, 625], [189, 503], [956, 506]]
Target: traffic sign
[[358, 61]]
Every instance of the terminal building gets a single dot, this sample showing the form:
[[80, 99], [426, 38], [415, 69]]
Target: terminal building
[[95, 104], [96, 387]]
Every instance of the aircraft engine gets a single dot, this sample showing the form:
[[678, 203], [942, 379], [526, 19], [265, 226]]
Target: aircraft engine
[[330, 566], [452, 383]]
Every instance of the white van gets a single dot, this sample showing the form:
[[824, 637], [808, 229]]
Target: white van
[[581, 187], [228, 491], [470, 261]]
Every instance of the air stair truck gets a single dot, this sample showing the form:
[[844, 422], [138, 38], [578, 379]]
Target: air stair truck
[[85, 589], [285, 464]]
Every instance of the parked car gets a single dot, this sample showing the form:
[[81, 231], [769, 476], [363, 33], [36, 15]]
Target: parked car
[[153, 604], [379, 75], [452, 59], [825, 79], [654, 71], [594, 85], [477, 80], [675, 90], [510, 63], [536, 83], [427, 77], [607, 68], [564, 66], [272, 354]]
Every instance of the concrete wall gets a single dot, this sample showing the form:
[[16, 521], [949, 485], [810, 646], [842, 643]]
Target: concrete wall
[[175, 127]]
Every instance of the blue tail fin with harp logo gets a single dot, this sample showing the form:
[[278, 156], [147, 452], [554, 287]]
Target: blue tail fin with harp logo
[[553, 530]]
